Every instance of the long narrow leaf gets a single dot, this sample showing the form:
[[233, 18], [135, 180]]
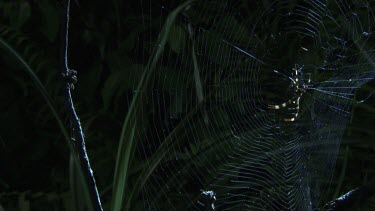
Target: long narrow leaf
[[40, 87], [127, 138], [123, 173]]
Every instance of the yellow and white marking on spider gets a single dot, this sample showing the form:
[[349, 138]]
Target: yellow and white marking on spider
[[299, 88]]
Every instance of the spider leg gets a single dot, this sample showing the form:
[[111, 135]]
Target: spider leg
[[299, 88], [292, 119], [295, 103], [278, 106]]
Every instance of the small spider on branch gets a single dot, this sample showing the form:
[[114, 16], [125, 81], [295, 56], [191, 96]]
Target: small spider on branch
[[70, 77]]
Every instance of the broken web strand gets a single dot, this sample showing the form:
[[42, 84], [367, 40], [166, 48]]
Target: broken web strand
[[244, 155]]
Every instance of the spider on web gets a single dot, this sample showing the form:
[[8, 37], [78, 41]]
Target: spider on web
[[299, 87]]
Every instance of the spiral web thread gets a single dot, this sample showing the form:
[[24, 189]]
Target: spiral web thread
[[209, 97]]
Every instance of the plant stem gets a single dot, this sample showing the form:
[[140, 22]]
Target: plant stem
[[77, 136]]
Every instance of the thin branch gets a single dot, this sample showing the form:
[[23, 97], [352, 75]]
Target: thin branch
[[77, 136], [353, 197]]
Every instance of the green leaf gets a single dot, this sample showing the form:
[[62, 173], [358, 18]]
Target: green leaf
[[216, 49], [124, 164], [178, 106], [172, 80], [177, 38], [89, 83], [219, 118], [40, 87], [24, 12], [230, 24], [50, 24], [17, 12], [117, 61], [120, 81], [126, 135], [23, 203]]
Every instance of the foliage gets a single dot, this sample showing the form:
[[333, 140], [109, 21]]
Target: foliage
[[34, 156]]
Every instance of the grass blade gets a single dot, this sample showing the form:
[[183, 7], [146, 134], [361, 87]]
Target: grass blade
[[40, 87], [127, 133]]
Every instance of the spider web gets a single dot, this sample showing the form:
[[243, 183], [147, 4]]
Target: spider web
[[224, 63]]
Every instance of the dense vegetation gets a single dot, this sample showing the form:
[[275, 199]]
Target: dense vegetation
[[34, 155]]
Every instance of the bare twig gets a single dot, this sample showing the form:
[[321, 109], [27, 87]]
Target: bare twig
[[77, 136]]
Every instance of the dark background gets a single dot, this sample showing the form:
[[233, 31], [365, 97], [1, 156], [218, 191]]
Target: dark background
[[33, 153]]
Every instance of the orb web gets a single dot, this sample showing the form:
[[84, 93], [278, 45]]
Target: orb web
[[209, 134]]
